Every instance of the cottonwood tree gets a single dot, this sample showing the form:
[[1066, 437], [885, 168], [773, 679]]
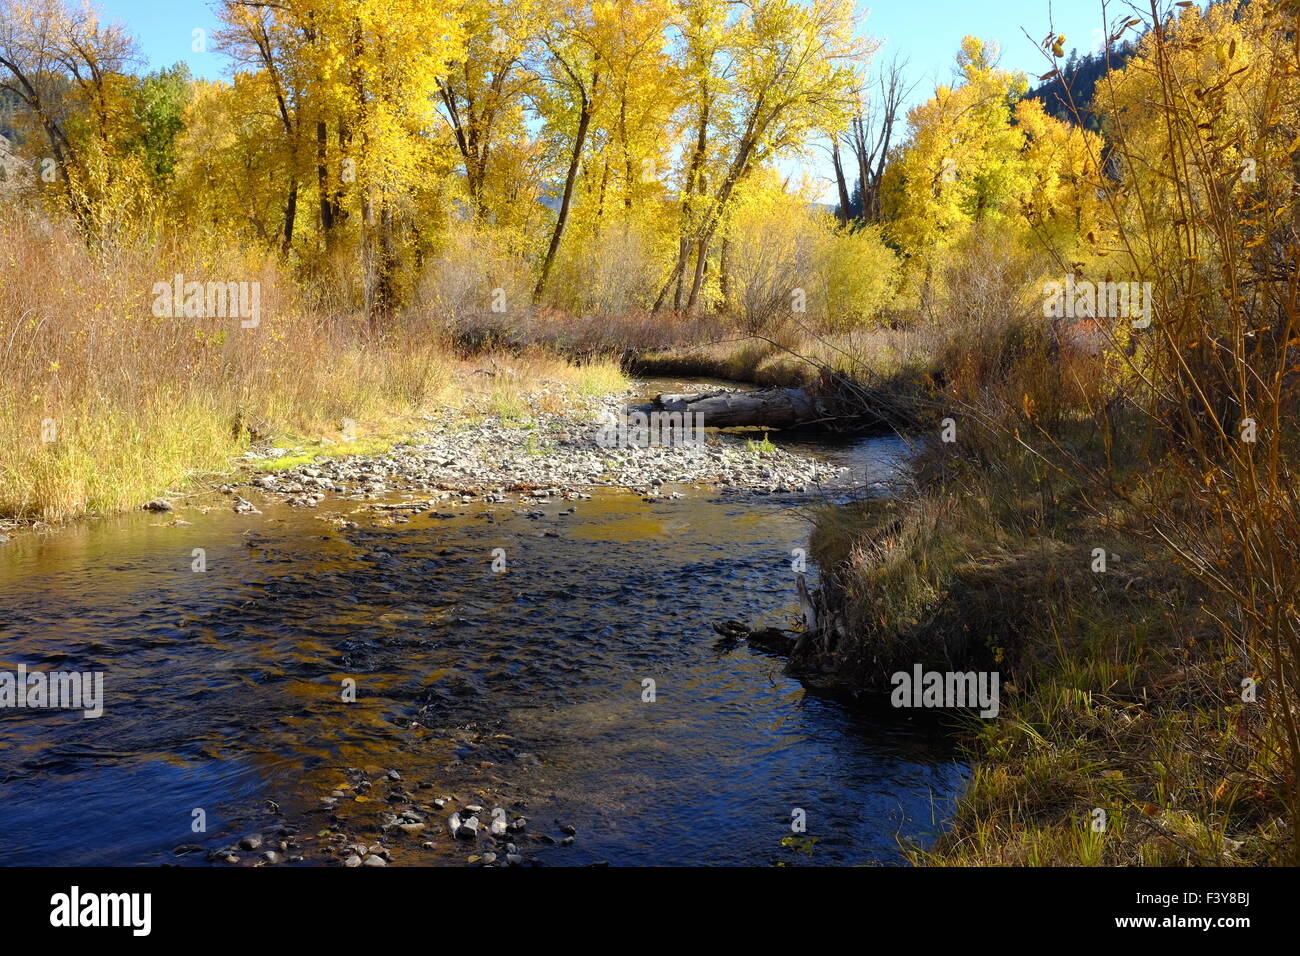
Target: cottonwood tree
[[574, 65], [871, 133], [485, 88], [789, 70], [68, 73]]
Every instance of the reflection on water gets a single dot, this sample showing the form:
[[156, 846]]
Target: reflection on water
[[223, 688]]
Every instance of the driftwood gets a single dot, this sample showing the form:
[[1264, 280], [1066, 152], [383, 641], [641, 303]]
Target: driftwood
[[775, 639], [810, 650], [765, 407]]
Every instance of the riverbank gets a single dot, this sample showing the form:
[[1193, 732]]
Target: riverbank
[[110, 402], [159, 437], [497, 451], [1130, 732]]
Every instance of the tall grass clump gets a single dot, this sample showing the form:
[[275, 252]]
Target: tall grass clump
[[107, 404]]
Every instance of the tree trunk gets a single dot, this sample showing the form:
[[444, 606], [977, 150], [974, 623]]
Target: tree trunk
[[692, 186], [843, 213], [701, 257], [579, 142], [770, 407], [724, 260], [323, 183], [290, 214]]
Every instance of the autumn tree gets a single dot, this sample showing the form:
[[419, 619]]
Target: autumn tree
[[483, 93], [68, 73], [787, 70]]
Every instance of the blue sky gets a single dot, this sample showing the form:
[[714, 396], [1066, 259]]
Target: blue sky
[[929, 32]]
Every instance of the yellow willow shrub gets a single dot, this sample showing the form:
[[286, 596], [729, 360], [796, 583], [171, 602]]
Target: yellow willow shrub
[[475, 283], [769, 278], [613, 270], [858, 274]]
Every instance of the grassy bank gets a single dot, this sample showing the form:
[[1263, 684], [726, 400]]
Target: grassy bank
[[109, 405], [1119, 694]]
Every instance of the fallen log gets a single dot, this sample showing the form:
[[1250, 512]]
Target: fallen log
[[765, 407]]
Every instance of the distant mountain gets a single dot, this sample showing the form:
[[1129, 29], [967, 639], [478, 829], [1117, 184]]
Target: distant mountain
[[1077, 82]]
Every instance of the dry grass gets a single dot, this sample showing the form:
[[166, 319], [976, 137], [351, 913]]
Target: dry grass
[[135, 404]]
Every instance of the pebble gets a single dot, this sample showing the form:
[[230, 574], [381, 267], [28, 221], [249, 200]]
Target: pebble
[[557, 459]]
